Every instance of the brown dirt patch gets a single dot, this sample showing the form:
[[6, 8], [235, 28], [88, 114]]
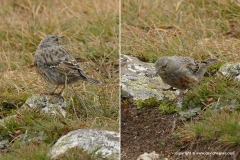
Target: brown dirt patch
[[147, 130]]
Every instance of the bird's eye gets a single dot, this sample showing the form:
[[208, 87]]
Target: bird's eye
[[54, 38], [164, 66]]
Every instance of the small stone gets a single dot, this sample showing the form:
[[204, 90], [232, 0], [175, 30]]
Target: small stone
[[231, 69], [53, 104], [17, 132], [184, 115], [149, 156]]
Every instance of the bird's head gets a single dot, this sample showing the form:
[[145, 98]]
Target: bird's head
[[49, 41], [161, 64]]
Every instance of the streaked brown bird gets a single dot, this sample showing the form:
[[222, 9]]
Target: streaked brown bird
[[56, 64], [181, 72]]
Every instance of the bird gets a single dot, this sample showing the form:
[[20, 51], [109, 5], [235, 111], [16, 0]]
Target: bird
[[181, 72], [56, 65]]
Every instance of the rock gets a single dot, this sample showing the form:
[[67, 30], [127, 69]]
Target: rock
[[187, 114], [89, 139], [53, 104], [149, 156], [231, 69], [4, 143], [138, 80]]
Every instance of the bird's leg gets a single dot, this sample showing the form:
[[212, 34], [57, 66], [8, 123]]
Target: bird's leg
[[65, 85], [181, 94], [53, 92], [60, 93], [170, 89]]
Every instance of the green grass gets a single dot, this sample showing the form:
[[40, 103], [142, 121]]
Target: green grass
[[91, 31], [216, 92], [199, 29], [38, 151], [164, 106], [222, 127], [219, 118]]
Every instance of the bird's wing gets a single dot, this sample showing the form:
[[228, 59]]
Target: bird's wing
[[191, 65], [58, 58], [197, 65]]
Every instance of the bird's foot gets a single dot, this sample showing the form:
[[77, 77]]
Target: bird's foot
[[170, 89], [178, 97]]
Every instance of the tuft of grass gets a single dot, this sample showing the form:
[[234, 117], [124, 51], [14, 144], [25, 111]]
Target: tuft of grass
[[38, 151], [221, 127], [167, 107], [220, 92], [164, 106], [200, 29], [30, 123], [150, 102]]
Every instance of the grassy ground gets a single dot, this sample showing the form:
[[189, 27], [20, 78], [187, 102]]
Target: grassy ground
[[199, 29], [91, 31]]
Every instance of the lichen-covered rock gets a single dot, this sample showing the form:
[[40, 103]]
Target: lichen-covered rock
[[53, 104], [89, 139], [187, 114], [138, 80], [231, 69], [4, 143]]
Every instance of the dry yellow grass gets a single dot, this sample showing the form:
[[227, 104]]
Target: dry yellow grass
[[199, 29]]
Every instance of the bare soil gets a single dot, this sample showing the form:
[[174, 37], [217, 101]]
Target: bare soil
[[147, 130]]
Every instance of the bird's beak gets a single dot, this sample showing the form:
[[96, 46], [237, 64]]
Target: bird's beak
[[156, 72]]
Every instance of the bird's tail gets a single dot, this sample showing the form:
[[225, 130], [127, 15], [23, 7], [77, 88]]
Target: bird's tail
[[210, 61], [94, 81], [207, 63]]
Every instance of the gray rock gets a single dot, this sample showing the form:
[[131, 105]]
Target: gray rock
[[4, 143], [138, 80], [184, 115], [89, 139], [231, 69], [53, 104]]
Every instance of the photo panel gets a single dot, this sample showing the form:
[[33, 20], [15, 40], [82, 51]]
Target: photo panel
[[179, 87], [59, 92]]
